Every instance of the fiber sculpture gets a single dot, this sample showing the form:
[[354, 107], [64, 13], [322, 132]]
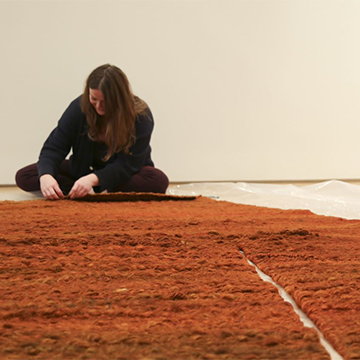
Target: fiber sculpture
[[166, 280]]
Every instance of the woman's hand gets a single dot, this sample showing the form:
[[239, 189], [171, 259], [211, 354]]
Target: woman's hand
[[83, 186], [50, 187]]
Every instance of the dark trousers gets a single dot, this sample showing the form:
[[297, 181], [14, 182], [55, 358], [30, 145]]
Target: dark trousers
[[148, 179]]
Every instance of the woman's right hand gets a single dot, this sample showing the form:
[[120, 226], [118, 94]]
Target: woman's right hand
[[50, 187]]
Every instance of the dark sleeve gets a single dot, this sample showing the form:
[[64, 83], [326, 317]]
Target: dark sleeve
[[57, 146], [124, 166]]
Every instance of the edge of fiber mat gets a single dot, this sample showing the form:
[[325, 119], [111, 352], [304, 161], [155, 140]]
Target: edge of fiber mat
[[132, 196]]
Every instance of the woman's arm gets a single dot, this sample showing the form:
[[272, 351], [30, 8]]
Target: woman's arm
[[55, 150], [58, 144]]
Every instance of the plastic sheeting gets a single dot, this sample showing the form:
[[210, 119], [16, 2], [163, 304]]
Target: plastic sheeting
[[330, 198]]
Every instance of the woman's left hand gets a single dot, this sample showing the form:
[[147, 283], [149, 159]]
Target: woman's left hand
[[83, 186]]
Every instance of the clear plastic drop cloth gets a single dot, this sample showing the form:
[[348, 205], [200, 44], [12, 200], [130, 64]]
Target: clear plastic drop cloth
[[330, 198]]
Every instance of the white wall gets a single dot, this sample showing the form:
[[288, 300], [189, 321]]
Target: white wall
[[240, 90]]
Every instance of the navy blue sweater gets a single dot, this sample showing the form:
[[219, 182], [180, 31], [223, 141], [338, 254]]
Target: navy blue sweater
[[71, 134]]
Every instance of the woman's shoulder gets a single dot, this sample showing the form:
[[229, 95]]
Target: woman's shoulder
[[74, 108], [75, 104], [73, 115], [144, 123], [145, 118], [142, 109]]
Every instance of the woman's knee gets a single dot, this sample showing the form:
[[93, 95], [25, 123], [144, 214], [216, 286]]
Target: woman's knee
[[154, 179], [27, 178], [161, 182], [148, 179]]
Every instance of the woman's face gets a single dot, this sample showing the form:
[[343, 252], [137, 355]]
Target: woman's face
[[96, 98]]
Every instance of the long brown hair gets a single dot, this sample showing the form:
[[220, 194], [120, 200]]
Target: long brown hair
[[117, 127]]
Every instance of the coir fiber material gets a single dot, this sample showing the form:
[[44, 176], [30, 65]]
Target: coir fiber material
[[132, 196], [166, 280]]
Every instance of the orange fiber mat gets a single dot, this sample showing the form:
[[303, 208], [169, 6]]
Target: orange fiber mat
[[317, 260], [166, 280]]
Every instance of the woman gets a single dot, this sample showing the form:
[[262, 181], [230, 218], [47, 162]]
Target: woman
[[108, 130]]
